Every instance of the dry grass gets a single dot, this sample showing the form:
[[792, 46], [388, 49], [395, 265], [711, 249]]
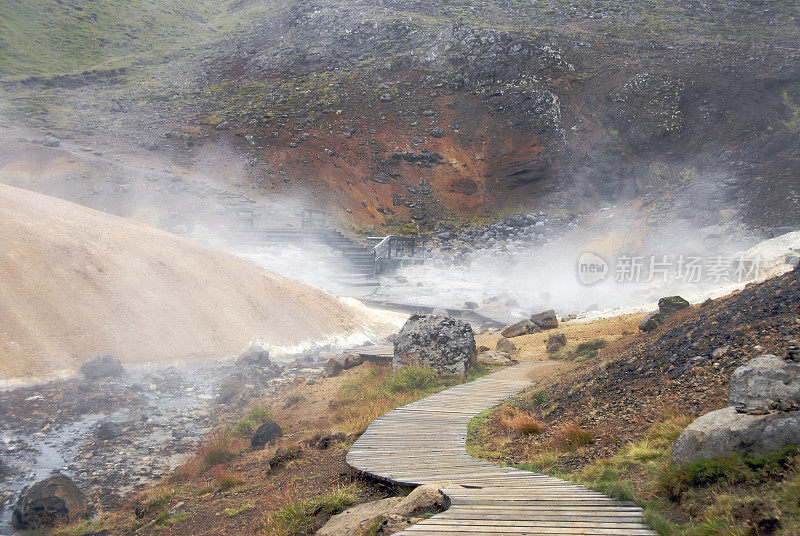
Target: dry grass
[[217, 448], [522, 422], [570, 436], [226, 480]]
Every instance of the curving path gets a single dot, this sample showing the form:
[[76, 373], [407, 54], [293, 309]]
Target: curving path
[[423, 443]]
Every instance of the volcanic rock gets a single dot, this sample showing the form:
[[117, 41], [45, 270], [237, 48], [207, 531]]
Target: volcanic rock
[[523, 327], [230, 390], [102, 366], [442, 342], [555, 342], [493, 357], [505, 345], [545, 319], [108, 430], [672, 304], [266, 433], [50, 501], [652, 321], [333, 367], [51, 141]]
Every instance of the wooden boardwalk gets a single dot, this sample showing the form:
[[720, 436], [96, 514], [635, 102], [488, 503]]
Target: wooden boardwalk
[[423, 443]]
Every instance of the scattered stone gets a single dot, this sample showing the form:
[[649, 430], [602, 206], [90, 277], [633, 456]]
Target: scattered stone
[[763, 383], [505, 345], [493, 357], [545, 319], [442, 342], [108, 430], [102, 366], [50, 501], [51, 141], [523, 327], [266, 433], [555, 342], [437, 132], [255, 356], [333, 367], [721, 351], [230, 391]]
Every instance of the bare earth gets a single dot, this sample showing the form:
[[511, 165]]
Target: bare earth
[[75, 282]]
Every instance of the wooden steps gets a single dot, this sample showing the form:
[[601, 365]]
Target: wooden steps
[[424, 443]]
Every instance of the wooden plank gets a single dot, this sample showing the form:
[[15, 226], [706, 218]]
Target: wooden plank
[[423, 442]]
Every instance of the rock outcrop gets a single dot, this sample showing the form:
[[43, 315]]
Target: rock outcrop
[[523, 327], [545, 319], [505, 345], [266, 433], [442, 342], [50, 501]]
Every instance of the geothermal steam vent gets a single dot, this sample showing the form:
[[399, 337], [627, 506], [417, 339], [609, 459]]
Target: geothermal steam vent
[[75, 282]]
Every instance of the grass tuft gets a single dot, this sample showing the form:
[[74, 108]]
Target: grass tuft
[[216, 449], [301, 516], [250, 422], [570, 436]]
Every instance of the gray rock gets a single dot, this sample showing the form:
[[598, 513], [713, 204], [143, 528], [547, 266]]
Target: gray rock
[[505, 345], [545, 319], [555, 342], [765, 383], [230, 391], [442, 342], [652, 321], [51, 141], [50, 501], [102, 366], [108, 430], [523, 327], [333, 367], [255, 356], [725, 431], [266, 433], [470, 305], [493, 357]]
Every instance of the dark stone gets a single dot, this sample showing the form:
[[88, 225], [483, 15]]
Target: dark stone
[[442, 342], [108, 430], [523, 327], [545, 319], [333, 367], [672, 304], [266, 433], [505, 345], [50, 501], [102, 366], [324, 441], [652, 321], [555, 342]]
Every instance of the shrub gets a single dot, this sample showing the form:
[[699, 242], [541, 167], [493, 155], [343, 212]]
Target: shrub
[[571, 437], [255, 418], [585, 350], [412, 378], [152, 501], [216, 449], [521, 422], [226, 480], [300, 516]]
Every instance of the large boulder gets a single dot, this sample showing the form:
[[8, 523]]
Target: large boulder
[[493, 357], [442, 342], [545, 319], [672, 304], [765, 383], [108, 430], [231, 391], [726, 431], [266, 433], [523, 327], [255, 356], [394, 513], [50, 501], [102, 366]]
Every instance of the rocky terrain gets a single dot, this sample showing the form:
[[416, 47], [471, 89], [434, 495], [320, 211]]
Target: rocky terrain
[[387, 114]]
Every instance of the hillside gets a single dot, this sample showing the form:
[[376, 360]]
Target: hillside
[[388, 112], [75, 282]]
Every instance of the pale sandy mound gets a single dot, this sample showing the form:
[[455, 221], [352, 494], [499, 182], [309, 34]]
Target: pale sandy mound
[[75, 282]]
